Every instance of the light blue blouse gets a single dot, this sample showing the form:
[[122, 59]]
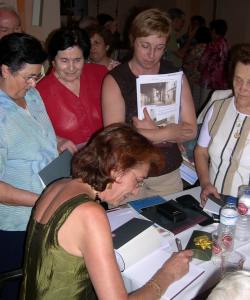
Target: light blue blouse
[[27, 145]]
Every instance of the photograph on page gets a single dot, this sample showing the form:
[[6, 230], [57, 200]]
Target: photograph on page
[[160, 94]]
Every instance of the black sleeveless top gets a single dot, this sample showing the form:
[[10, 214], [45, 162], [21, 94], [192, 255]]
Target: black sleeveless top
[[126, 80]]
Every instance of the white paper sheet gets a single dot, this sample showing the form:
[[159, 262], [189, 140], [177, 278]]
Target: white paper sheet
[[142, 271], [160, 94], [118, 217]]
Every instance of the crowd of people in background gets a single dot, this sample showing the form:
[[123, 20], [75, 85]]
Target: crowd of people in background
[[190, 51], [91, 85]]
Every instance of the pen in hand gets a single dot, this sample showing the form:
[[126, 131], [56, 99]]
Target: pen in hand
[[178, 244]]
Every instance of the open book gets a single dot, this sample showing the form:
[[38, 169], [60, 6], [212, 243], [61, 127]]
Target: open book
[[136, 234], [160, 94], [143, 270]]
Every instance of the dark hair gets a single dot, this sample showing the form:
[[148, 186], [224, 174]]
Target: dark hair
[[18, 49], [203, 35], [103, 32], [63, 38], [198, 19], [175, 13], [238, 53], [104, 18], [219, 26], [117, 147]]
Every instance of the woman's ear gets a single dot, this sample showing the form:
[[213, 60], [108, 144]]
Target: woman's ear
[[116, 175], [5, 71], [107, 48]]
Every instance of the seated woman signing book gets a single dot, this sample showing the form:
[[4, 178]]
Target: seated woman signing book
[[69, 250]]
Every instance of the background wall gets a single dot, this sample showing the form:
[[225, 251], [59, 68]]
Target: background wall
[[236, 13], [50, 16]]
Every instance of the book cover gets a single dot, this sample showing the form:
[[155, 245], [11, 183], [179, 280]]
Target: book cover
[[128, 231], [214, 205], [201, 244], [58, 168], [160, 94], [134, 240], [139, 204], [193, 217]]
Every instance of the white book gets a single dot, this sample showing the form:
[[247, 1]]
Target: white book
[[142, 271], [213, 205], [188, 173], [160, 94], [136, 234]]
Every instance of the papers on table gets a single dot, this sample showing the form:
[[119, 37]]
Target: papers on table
[[160, 94], [118, 217], [188, 173], [142, 271], [136, 234], [145, 242]]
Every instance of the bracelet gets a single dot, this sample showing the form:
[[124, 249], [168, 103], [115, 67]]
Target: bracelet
[[153, 283]]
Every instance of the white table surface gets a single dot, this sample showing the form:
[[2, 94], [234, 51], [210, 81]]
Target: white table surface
[[211, 274]]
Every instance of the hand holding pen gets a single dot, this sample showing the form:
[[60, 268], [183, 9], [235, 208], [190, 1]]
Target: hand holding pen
[[178, 244]]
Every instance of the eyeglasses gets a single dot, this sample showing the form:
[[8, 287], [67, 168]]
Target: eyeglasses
[[139, 182], [31, 78]]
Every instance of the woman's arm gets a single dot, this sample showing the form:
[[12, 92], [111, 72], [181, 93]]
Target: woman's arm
[[93, 238], [9, 195], [201, 157], [172, 270], [185, 130], [113, 106], [202, 167]]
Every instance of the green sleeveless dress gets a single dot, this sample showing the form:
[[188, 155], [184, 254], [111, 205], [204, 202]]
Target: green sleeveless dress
[[50, 273]]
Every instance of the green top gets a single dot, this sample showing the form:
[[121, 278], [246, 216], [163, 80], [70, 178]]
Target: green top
[[49, 271]]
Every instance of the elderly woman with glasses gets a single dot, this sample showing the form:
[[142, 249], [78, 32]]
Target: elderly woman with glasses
[[27, 141], [222, 157]]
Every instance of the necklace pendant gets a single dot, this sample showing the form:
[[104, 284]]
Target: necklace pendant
[[237, 134]]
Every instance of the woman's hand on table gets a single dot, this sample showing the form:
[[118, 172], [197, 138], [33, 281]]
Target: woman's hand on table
[[178, 264], [172, 270], [208, 189], [64, 144]]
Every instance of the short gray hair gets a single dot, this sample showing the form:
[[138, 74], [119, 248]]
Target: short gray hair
[[10, 9], [235, 286]]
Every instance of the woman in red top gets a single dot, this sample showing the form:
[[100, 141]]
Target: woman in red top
[[71, 91]]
